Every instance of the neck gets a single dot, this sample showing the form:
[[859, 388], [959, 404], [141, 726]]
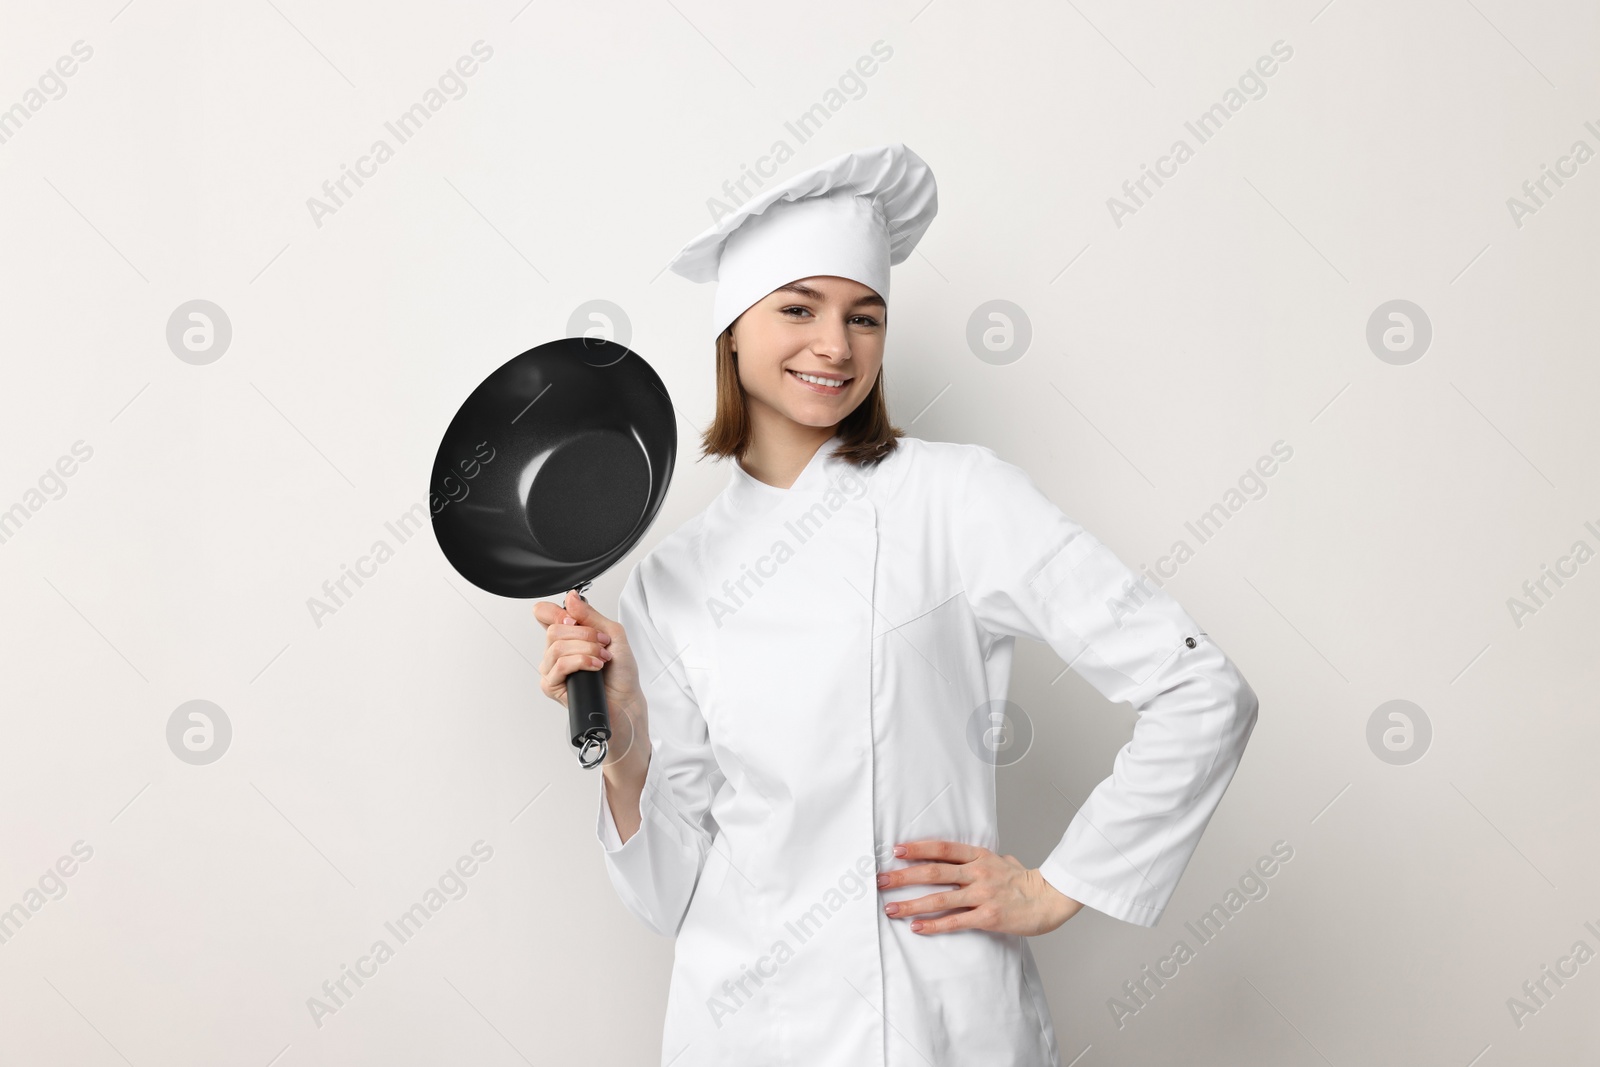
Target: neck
[[780, 448]]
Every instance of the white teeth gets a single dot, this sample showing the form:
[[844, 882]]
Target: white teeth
[[819, 381]]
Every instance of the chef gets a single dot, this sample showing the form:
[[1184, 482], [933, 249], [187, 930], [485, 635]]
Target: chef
[[809, 680]]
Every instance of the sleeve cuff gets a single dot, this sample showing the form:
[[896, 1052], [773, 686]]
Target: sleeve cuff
[[1098, 899]]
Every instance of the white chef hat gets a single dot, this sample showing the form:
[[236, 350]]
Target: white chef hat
[[852, 217]]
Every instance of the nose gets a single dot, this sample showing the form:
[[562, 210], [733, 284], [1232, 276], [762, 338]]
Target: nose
[[831, 339]]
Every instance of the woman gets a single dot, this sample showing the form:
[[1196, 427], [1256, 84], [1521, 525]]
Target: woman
[[805, 679]]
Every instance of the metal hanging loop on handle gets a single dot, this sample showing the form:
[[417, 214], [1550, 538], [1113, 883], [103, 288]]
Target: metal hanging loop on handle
[[588, 757], [587, 715]]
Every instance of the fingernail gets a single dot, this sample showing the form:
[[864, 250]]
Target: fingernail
[[916, 926], [899, 850], [883, 880], [566, 620], [890, 909], [605, 653], [605, 639]]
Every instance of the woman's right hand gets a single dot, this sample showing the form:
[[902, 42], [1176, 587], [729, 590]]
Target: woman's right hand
[[578, 637]]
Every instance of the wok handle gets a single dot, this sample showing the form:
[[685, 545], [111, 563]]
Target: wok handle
[[587, 714]]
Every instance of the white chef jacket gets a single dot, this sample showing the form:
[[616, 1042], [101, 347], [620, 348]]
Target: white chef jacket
[[813, 659]]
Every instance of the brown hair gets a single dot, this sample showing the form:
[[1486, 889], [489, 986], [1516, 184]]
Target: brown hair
[[868, 435]]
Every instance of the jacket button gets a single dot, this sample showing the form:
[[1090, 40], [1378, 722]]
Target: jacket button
[[1189, 641]]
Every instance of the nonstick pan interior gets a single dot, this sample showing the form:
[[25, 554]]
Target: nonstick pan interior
[[553, 468]]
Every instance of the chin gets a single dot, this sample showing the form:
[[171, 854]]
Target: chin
[[816, 421]]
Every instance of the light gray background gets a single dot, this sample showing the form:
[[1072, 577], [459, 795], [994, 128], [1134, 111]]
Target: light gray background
[[1167, 355]]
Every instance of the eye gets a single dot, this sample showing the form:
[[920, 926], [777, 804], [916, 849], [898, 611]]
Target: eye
[[862, 320]]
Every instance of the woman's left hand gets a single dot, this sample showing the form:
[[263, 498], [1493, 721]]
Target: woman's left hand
[[999, 893]]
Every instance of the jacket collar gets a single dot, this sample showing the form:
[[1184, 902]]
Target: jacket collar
[[748, 493]]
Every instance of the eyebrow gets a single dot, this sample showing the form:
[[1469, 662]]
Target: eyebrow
[[870, 300]]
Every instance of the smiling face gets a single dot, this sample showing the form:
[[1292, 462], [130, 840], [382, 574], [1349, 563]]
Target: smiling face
[[810, 352]]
